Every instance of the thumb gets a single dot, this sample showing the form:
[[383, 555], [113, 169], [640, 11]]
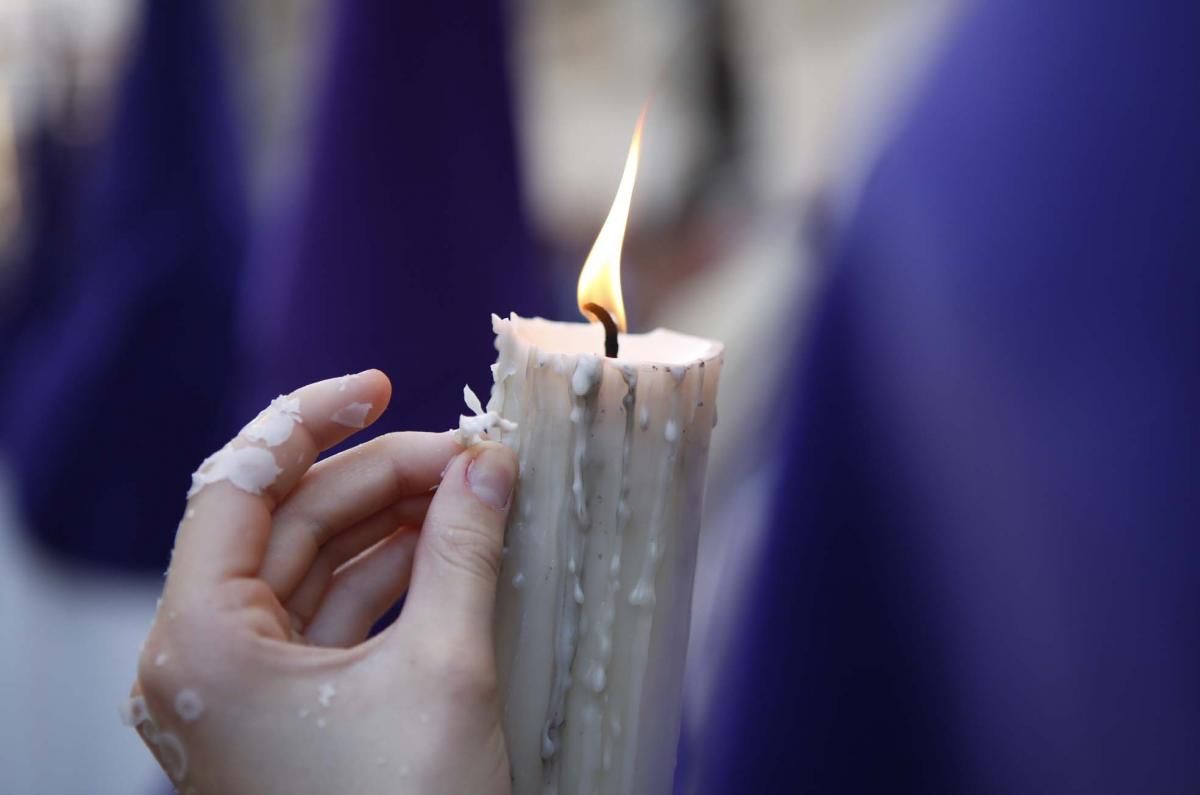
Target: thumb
[[453, 590]]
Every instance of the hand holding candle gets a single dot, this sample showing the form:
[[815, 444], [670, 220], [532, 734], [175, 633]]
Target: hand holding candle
[[257, 675]]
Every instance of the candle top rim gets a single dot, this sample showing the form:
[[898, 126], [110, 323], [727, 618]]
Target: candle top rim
[[657, 347]]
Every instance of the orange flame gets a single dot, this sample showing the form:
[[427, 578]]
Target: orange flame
[[600, 279]]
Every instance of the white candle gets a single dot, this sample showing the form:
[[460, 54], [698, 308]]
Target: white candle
[[595, 589]]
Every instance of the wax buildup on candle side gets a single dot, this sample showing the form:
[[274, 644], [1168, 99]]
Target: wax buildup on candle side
[[592, 626]]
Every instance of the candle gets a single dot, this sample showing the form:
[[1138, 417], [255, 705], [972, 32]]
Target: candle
[[595, 588]]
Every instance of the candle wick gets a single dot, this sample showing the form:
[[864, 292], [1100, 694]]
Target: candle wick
[[610, 328]]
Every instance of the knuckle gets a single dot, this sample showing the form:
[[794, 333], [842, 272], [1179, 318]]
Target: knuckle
[[468, 547]]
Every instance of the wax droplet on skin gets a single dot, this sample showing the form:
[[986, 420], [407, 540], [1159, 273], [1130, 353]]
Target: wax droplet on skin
[[188, 514], [326, 693], [188, 705], [176, 763], [133, 712], [518, 580], [344, 382], [352, 416], [273, 426], [250, 469], [160, 660]]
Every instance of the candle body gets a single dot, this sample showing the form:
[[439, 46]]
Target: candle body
[[595, 589]]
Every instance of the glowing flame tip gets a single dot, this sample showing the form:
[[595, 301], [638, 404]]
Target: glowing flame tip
[[600, 279]]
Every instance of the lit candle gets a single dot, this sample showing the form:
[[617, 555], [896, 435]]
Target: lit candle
[[596, 584]]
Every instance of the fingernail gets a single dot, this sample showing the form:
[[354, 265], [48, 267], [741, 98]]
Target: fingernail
[[491, 474]]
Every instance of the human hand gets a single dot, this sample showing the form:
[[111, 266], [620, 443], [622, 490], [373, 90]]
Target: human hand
[[257, 676]]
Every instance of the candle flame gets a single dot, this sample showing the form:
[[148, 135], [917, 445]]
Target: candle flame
[[600, 279]]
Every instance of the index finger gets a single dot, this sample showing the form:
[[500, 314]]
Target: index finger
[[228, 519]]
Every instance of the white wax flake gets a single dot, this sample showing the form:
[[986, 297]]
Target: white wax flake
[[273, 426], [188, 705], [250, 469], [326, 693], [586, 375], [344, 381], [475, 429], [472, 400], [353, 415], [518, 580], [190, 513], [160, 660]]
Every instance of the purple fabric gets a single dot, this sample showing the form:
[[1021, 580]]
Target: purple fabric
[[982, 576], [50, 169], [408, 230], [117, 390]]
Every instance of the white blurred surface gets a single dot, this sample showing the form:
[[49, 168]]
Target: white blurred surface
[[69, 653]]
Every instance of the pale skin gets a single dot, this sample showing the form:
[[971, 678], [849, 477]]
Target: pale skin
[[257, 674]]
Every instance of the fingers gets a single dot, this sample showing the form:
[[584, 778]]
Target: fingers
[[303, 601], [362, 591], [228, 519], [394, 472], [458, 555]]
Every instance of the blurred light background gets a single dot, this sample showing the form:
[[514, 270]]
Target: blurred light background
[[204, 204]]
